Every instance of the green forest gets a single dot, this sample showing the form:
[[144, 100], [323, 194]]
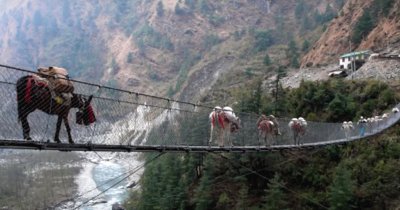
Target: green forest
[[357, 175]]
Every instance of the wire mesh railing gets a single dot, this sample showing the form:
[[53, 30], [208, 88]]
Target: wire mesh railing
[[131, 119]]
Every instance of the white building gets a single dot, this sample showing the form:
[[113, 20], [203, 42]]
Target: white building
[[346, 59]]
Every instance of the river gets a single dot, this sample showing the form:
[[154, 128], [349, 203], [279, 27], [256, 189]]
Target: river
[[99, 176]]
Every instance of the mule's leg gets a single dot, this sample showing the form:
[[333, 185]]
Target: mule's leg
[[265, 138], [230, 142], [221, 137], [56, 136], [300, 137], [25, 127], [211, 134], [66, 123]]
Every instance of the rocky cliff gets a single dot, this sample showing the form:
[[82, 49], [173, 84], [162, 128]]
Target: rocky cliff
[[378, 20]]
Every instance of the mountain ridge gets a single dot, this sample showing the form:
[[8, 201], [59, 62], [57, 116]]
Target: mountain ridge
[[134, 45]]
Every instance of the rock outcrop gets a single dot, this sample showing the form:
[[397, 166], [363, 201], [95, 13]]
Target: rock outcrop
[[336, 40]]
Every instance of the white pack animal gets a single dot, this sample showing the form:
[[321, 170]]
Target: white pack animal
[[266, 129], [378, 121], [298, 127], [348, 127], [226, 122], [385, 116]]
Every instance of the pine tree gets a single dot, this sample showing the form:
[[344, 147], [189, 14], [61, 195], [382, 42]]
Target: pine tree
[[66, 11], [243, 196], [253, 103], [329, 13], [191, 3], [293, 54], [306, 24], [179, 10], [267, 60], [204, 8], [150, 187], [362, 28], [383, 6], [300, 9], [280, 103], [160, 9], [294, 61], [114, 66], [170, 91], [341, 190], [37, 19], [264, 39], [202, 196], [275, 197], [129, 59], [306, 46]]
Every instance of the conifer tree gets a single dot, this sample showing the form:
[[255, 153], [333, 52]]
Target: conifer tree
[[267, 60], [306, 46], [191, 3], [129, 59], [160, 9], [293, 54], [275, 197], [202, 196], [341, 190], [243, 196], [279, 93], [362, 28]]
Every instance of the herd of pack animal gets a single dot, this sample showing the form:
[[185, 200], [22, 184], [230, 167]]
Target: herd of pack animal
[[51, 91], [268, 126], [225, 122], [365, 124]]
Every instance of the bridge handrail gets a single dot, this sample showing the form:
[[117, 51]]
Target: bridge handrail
[[112, 88]]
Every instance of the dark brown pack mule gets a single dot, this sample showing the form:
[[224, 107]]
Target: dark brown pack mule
[[34, 94]]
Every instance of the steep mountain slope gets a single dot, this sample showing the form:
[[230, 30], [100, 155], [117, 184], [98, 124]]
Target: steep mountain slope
[[361, 25], [161, 47]]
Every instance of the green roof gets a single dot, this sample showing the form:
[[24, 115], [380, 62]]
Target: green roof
[[355, 54]]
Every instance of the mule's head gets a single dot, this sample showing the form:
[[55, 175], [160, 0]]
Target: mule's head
[[85, 115], [235, 126]]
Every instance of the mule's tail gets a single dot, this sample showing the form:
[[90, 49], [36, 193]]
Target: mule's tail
[[21, 94]]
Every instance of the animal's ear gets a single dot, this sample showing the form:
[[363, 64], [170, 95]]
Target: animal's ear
[[89, 100]]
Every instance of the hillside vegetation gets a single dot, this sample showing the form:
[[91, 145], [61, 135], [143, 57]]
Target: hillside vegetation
[[36, 180], [361, 25], [358, 175], [161, 46]]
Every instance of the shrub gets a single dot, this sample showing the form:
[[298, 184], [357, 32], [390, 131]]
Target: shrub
[[264, 39]]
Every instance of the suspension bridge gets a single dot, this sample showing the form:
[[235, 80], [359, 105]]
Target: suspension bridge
[[128, 121]]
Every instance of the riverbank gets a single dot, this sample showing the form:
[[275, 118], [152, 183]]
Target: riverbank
[[36, 179], [105, 179]]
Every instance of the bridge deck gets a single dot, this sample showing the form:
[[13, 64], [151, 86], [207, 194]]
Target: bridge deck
[[36, 145]]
